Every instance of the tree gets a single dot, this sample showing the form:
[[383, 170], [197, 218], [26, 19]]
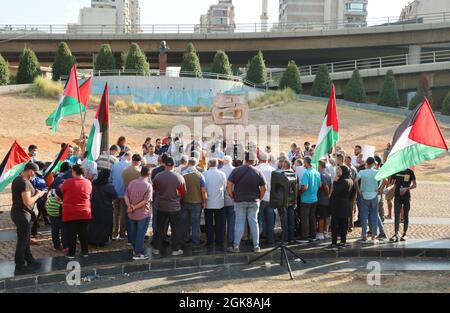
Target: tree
[[446, 105], [105, 59], [64, 61], [291, 78], [29, 67], [4, 71], [221, 64], [191, 62], [257, 72], [389, 93], [322, 83], [423, 90], [354, 90], [136, 60]]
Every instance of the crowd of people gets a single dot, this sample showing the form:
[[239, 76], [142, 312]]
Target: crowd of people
[[222, 190]]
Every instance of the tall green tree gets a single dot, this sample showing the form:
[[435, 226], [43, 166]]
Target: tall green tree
[[64, 61], [389, 93], [446, 105], [354, 90], [29, 67], [105, 59], [322, 82], [136, 60], [221, 64], [4, 72], [423, 90], [291, 78], [257, 71], [191, 62]]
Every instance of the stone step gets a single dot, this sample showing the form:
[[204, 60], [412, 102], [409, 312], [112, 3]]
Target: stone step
[[54, 270]]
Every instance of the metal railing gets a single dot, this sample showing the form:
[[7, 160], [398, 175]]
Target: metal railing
[[377, 63], [235, 28]]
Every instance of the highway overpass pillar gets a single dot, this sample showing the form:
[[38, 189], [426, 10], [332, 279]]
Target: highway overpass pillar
[[414, 54]]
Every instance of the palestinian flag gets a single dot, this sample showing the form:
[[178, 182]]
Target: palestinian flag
[[69, 104], [329, 133], [418, 139], [12, 165], [99, 137], [60, 159], [85, 92]]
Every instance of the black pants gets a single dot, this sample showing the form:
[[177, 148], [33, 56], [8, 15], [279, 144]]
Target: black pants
[[215, 226], [400, 202], [42, 212], [339, 226], [164, 218], [23, 225], [59, 233], [80, 229]]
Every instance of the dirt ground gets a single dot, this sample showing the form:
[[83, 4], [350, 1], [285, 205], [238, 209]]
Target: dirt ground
[[22, 119]]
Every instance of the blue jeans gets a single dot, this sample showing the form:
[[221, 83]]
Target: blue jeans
[[194, 212], [268, 217], [288, 219], [369, 214], [246, 211], [230, 218], [136, 233], [379, 223]]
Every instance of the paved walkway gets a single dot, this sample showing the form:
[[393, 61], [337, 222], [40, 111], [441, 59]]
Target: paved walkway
[[429, 219]]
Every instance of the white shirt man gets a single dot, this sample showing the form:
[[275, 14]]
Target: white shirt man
[[227, 168], [267, 170], [215, 185], [151, 158], [216, 182]]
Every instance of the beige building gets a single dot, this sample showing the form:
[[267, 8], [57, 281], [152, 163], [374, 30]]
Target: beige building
[[426, 11], [109, 16], [322, 13], [220, 18]]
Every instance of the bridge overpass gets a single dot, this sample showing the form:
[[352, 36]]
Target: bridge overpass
[[303, 46], [435, 65]]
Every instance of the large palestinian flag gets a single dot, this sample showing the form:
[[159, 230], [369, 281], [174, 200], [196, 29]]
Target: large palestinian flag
[[329, 133], [60, 159], [418, 139], [99, 136], [12, 165], [70, 102], [85, 92]]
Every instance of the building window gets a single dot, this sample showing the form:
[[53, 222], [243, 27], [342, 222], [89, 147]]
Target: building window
[[355, 7]]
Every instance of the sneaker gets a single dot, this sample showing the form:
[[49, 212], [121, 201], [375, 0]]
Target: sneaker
[[257, 249], [394, 238], [362, 240], [114, 238], [84, 255], [312, 239], [381, 237], [233, 249], [70, 257], [404, 238], [140, 257], [332, 247], [155, 251], [176, 253], [374, 241], [342, 245], [320, 236], [303, 241], [34, 263], [129, 244]]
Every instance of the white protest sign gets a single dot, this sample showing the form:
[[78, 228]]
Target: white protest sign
[[368, 152]]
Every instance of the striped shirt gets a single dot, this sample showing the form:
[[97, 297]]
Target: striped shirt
[[53, 207], [137, 191]]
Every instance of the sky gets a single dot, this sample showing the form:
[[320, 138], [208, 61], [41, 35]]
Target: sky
[[61, 12]]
